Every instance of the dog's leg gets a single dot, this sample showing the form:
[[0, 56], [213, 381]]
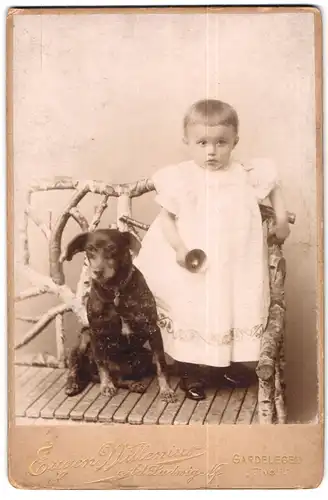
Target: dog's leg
[[78, 373], [156, 344], [72, 383], [107, 387], [98, 337], [75, 381]]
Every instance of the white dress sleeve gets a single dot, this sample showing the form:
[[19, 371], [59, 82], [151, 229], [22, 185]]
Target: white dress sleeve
[[263, 176], [168, 184]]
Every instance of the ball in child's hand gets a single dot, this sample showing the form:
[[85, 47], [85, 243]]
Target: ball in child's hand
[[195, 259]]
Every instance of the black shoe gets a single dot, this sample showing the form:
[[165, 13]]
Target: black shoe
[[194, 389], [237, 378]]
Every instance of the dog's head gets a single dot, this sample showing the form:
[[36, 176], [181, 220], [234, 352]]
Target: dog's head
[[108, 252]]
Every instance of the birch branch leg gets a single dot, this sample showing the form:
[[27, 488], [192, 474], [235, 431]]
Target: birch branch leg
[[276, 320], [266, 402], [280, 403], [271, 392], [272, 334], [60, 340]]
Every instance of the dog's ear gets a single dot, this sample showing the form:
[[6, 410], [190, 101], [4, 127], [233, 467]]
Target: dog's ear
[[131, 241], [76, 245]]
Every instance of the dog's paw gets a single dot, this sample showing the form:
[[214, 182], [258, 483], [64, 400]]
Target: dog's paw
[[72, 387], [108, 390], [137, 387], [168, 396]]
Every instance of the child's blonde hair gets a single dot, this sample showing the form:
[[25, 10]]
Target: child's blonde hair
[[211, 112]]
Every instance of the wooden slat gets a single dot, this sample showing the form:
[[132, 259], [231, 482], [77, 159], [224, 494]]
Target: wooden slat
[[33, 379], [247, 410], [91, 414], [64, 410], [184, 414], [78, 412], [39, 375], [49, 410], [172, 409], [40, 389], [121, 415], [157, 407], [28, 374], [106, 415], [218, 406], [23, 403], [35, 409], [202, 408], [22, 379], [140, 409], [231, 412]]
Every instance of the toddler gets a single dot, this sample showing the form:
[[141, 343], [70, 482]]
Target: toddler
[[211, 202]]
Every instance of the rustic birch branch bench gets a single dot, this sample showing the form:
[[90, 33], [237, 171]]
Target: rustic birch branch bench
[[40, 379]]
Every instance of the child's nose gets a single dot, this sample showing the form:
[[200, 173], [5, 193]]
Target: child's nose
[[212, 149]]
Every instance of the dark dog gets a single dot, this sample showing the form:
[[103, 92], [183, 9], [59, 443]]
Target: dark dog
[[122, 316]]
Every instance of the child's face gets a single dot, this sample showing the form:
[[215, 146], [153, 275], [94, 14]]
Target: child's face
[[211, 146]]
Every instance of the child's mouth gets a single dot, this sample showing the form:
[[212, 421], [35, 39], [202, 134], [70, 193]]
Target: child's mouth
[[213, 163]]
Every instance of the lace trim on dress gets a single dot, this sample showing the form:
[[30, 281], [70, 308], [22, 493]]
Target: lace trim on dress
[[234, 334]]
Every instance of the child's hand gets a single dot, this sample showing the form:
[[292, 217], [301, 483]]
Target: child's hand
[[181, 254], [281, 230]]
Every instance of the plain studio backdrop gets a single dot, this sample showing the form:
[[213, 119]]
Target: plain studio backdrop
[[102, 96]]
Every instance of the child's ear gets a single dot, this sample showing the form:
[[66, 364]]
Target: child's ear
[[184, 140], [76, 245], [132, 242], [236, 140]]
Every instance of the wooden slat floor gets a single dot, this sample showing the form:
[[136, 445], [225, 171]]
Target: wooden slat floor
[[40, 399]]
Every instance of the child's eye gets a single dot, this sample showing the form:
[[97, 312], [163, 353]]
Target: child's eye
[[202, 143], [222, 143]]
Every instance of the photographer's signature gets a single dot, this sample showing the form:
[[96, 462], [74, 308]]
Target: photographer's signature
[[123, 461]]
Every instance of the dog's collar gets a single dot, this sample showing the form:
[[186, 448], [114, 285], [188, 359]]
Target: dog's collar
[[116, 289]]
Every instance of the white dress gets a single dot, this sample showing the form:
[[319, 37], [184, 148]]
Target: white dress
[[219, 313]]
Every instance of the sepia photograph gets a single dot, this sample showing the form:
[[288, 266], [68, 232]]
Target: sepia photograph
[[166, 224]]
